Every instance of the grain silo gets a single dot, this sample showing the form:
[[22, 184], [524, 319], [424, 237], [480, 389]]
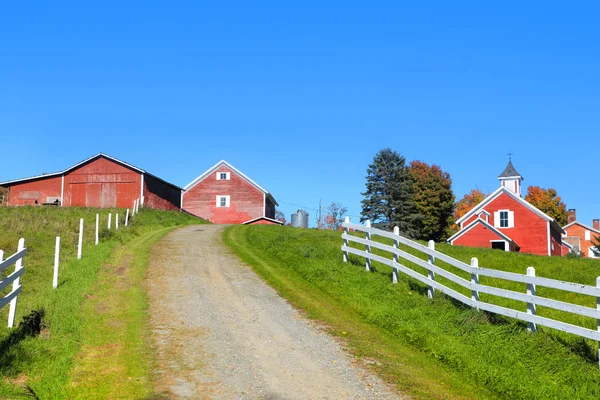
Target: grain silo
[[300, 219]]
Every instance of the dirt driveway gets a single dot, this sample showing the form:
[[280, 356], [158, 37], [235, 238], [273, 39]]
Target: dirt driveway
[[222, 333]]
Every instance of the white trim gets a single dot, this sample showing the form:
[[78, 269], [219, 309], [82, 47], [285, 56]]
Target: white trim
[[231, 167], [142, 190], [264, 213], [181, 200], [582, 225], [587, 235], [227, 201], [549, 237], [267, 218], [458, 234], [62, 190]]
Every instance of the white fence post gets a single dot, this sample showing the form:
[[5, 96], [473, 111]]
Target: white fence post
[[137, 206], [109, 220], [127, 217], [368, 248], [97, 224], [117, 221], [80, 243], [56, 261], [531, 306], [430, 273], [12, 312], [346, 231], [598, 321], [475, 281], [396, 243]]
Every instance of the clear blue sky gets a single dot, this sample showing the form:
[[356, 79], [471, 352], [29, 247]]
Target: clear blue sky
[[301, 95]]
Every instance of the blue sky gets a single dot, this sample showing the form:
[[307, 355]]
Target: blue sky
[[301, 95]]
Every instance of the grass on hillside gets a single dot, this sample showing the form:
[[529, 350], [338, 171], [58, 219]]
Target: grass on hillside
[[430, 348], [36, 358]]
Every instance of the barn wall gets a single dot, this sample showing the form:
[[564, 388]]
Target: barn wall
[[27, 193], [556, 241], [102, 183], [269, 208], [160, 195], [478, 236], [246, 201]]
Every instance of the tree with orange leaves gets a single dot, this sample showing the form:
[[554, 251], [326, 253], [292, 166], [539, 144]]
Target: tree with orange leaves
[[464, 205], [548, 201]]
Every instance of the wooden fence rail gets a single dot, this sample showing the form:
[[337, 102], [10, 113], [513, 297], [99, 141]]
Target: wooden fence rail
[[431, 270], [13, 278]]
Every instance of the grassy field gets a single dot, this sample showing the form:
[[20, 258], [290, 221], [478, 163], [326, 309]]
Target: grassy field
[[37, 358], [429, 348]]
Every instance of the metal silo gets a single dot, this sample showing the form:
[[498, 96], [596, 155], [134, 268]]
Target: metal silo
[[300, 219]]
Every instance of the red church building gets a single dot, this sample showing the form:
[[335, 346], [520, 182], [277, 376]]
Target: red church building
[[99, 181], [224, 195], [506, 221]]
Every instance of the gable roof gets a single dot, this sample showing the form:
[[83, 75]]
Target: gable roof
[[237, 171], [472, 225], [510, 172], [518, 199], [99, 155], [265, 218], [589, 228]]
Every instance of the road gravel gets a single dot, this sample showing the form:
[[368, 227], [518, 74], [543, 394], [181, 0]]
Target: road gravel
[[221, 332]]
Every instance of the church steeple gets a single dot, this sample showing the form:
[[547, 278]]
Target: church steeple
[[511, 179]]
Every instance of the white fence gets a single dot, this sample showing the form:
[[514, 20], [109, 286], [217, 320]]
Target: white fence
[[529, 297], [13, 278]]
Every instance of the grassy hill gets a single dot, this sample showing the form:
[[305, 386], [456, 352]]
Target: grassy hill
[[431, 348], [37, 357]]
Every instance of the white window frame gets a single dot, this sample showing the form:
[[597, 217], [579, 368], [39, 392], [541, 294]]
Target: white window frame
[[506, 246], [227, 176], [587, 235], [227, 201], [510, 222]]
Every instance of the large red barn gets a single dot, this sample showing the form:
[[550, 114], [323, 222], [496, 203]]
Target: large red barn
[[506, 221], [100, 181], [224, 195]]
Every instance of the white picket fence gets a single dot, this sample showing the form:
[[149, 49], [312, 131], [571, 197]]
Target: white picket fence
[[14, 278], [529, 297]]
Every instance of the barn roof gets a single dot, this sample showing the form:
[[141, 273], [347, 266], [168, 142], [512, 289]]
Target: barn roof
[[485, 224], [116, 160], [237, 171]]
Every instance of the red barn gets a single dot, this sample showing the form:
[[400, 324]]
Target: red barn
[[224, 195], [504, 220], [100, 181], [582, 237]]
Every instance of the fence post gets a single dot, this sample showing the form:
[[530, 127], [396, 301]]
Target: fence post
[[117, 221], [368, 248], [598, 312], [126, 217], [531, 306], [396, 243], [109, 220], [430, 273], [346, 232], [56, 261], [137, 206], [475, 281], [97, 224], [12, 312], [80, 243]]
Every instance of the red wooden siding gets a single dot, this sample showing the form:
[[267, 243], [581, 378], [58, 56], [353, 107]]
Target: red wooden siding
[[102, 183], [159, 195], [478, 236], [246, 201], [578, 230], [27, 193]]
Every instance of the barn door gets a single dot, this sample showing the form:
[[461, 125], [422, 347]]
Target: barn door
[[109, 194], [86, 194]]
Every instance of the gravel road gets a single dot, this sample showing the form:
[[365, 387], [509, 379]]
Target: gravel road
[[222, 333]]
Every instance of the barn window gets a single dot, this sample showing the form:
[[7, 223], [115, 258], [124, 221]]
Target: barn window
[[504, 219], [223, 201], [223, 176], [587, 235]]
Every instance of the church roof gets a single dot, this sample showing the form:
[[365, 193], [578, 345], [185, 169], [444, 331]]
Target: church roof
[[509, 171]]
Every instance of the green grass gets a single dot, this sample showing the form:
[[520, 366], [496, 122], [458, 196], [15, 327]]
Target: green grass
[[429, 348], [41, 364]]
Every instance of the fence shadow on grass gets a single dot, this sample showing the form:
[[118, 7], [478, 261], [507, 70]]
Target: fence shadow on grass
[[31, 326]]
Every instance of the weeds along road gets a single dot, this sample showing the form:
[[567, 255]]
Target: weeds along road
[[222, 333]]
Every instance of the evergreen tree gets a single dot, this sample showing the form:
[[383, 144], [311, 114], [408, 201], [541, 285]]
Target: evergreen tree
[[432, 192], [389, 199]]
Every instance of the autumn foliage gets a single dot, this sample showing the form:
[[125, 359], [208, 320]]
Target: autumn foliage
[[466, 204], [548, 201]]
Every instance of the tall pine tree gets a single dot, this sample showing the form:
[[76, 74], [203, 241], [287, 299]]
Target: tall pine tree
[[389, 199]]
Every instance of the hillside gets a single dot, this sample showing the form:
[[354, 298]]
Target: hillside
[[428, 348], [36, 357]]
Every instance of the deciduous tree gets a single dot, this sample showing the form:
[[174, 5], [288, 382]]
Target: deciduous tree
[[280, 216], [434, 199], [335, 216], [548, 201], [465, 205], [388, 200]]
